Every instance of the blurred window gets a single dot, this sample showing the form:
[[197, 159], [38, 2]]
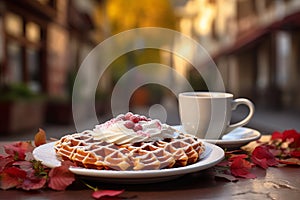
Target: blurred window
[[14, 62], [33, 32], [33, 62], [14, 24], [24, 51]]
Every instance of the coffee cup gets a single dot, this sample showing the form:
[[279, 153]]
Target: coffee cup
[[207, 115]]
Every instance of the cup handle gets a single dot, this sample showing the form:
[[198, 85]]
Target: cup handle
[[235, 103]]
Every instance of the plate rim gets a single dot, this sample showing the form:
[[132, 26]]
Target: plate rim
[[232, 141], [215, 156]]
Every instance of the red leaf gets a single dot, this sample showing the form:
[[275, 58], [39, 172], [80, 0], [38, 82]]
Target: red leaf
[[295, 153], [11, 177], [276, 135], [263, 157], [4, 161], [33, 183], [18, 150], [25, 165], [102, 193], [15, 172], [60, 178], [241, 168], [238, 156], [40, 138], [261, 162], [289, 134], [7, 181], [294, 135]]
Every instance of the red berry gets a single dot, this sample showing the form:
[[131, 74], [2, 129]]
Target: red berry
[[128, 115], [143, 118], [129, 124], [137, 127], [135, 118]]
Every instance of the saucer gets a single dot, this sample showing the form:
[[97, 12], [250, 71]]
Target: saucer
[[234, 139]]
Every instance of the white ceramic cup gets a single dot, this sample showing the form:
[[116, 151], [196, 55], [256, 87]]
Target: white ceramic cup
[[207, 115]]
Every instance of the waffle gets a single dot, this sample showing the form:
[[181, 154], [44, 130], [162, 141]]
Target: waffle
[[84, 151]]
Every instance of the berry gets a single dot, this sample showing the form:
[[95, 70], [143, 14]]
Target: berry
[[135, 118], [129, 124], [137, 127], [128, 115], [143, 118]]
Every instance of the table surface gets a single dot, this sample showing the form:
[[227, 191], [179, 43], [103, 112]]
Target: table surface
[[273, 183]]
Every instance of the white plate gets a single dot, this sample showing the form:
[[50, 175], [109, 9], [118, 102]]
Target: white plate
[[234, 139], [212, 155]]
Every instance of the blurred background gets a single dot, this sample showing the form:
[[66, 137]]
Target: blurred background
[[254, 43]]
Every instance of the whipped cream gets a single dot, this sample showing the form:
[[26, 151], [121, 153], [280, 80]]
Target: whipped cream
[[131, 128]]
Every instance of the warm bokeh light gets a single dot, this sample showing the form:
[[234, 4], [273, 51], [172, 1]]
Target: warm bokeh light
[[255, 45]]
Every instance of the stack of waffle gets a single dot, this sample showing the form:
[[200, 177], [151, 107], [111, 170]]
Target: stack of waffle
[[85, 151]]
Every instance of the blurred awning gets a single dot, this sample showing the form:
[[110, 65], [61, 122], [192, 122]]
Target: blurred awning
[[254, 36]]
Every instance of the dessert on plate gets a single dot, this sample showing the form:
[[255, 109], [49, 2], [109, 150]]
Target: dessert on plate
[[130, 142]]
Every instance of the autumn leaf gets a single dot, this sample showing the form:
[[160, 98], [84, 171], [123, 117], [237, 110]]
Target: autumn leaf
[[262, 157], [60, 178], [241, 168], [11, 177], [237, 156], [295, 153], [40, 138], [7, 181], [292, 135], [4, 161], [15, 172], [33, 183], [18, 150], [104, 193], [276, 136], [290, 161]]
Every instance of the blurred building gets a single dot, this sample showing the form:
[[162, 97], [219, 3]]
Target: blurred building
[[42, 43], [43, 40], [255, 44]]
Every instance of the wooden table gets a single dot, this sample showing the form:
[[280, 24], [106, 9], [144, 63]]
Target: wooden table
[[273, 183]]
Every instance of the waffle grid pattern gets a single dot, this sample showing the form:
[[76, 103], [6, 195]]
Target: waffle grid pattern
[[86, 152]]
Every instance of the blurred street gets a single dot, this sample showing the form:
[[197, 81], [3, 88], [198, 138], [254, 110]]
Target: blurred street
[[265, 122]]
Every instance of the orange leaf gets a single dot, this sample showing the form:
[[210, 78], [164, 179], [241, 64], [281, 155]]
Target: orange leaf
[[40, 138]]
